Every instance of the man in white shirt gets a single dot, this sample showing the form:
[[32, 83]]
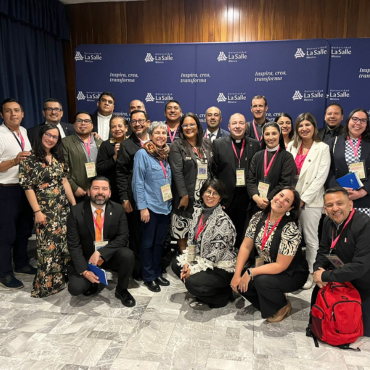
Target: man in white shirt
[[213, 120], [102, 117], [16, 221], [53, 113]]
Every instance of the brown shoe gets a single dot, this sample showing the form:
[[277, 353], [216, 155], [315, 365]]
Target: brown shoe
[[286, 310]]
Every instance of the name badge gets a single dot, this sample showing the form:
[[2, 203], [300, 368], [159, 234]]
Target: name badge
[[202, 171], [335, 260], [263, 189], [100, 244], [187, 158], [358, 168], [259, 261], [240, 177], [191, 254], [166, 192], [90, 169]]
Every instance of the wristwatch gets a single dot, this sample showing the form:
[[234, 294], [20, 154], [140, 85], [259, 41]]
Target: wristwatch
[[250, 273]]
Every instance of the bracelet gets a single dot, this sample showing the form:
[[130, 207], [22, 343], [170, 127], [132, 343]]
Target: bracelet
[[12, 162], [39, 210], [250, 273], [84, 274]]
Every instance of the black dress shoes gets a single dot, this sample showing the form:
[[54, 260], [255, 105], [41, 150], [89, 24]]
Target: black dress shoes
[[162, 281], [125, 297], [92, 290], [153, 286]]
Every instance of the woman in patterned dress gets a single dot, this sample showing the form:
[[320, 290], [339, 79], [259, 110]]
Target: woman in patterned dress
[[280, 266], [43, 176], [351, 152], [189, 158]]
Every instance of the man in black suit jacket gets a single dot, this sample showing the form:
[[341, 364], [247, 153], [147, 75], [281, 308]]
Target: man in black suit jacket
[[82, 228], [231, 160], [53, 113], [213, 120], [333, 119], [139, 123], [259, 108], [101, 118]]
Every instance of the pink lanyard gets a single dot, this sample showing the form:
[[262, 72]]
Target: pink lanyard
[[141, 142], [88, 146], [266, 237], [267, 168], [334, 242], [241, 151], [102, 223], [164, 170], [22, 144], [172, 138], [200, 227], [255, 131], [196, 152], [355, 150]]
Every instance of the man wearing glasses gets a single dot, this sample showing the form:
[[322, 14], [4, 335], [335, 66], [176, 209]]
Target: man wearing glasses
[[80, 152], [101, 118], [53, 113]]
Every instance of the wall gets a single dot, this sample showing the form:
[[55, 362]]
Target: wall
[[178, 21]]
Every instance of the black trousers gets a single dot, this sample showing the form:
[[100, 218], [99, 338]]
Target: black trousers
[[210, 286], [134, 226], [237, 211], [123, 261], [365, 309], [266, 292], [16, 223]]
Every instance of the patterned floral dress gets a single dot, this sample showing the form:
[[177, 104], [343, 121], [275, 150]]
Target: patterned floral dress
[[52, 253]]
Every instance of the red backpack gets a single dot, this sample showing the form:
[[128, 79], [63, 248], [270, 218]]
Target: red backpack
[[337, 314]]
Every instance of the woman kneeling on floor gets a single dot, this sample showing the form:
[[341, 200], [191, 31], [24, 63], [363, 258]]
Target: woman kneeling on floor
[[208, 262], [280, 266]]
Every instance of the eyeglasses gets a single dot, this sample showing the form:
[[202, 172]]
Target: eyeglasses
[[50, 136], [138, 121], [85, 121], [192, 125], [106, 101], [362, 120], [53, 109], [212, 193]]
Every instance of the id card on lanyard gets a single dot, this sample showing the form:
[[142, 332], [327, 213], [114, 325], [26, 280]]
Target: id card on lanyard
[[263, 186], [240, 172], [359, 166], [202, 170], [90, 166], [165, 189]]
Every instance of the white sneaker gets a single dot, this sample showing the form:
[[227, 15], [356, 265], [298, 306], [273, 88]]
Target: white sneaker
[[309, 282]]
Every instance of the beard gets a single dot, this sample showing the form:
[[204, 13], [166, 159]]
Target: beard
[[100, 201]]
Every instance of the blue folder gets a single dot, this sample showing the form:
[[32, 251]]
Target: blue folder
[[350, 180], [100, 273]]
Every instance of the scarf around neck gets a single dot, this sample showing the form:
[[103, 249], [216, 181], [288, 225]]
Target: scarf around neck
[[158, 153]]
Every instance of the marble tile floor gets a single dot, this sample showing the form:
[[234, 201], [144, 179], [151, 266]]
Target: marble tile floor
[[166, 330]]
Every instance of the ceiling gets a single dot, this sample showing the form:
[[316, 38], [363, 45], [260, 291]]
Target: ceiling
[[93, 1]]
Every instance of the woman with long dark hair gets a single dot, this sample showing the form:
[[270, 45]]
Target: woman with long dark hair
[[43, 176], [189, 158], [284, 120]]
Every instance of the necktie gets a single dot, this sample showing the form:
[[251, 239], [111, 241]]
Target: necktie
[[98, 226], [212, 137]]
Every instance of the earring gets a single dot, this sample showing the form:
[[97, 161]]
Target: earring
[[287, 213]]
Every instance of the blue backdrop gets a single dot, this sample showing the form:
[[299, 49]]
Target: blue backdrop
[[295, 76]]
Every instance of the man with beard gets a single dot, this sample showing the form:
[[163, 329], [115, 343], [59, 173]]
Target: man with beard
[[98, 234], [333, 118]]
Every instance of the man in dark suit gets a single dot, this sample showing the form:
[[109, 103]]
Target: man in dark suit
[[101, 118], [53, 113], [80, 152], [259, 108], [231, 160], [139, 123], [213, 120], [333, 119], [98, 234]]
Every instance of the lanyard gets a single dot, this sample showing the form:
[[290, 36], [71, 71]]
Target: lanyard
[[200, 227], [301, 150], [22, 142], [255, 132], [164, 170], [241, 151], [335, 241], [265, 237], [141, 142], [267, 168], [102, 223], [88, 145], [196, 152], [172, 138], [355, 150]]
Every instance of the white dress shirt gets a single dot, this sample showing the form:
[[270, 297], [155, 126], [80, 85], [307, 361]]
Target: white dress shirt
[[103, 126]]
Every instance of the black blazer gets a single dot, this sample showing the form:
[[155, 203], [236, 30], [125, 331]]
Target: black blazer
[[81, 233], [184, 171], [322, 131], [339, 168], [33, 132], [106, 166], [221, 133], [125, 168], [223, 162]]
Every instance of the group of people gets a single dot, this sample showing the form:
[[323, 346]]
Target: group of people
[[111, 193]]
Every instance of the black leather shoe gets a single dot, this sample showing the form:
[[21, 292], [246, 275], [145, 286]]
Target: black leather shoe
[[137, 275], [153, 286], [92, 290], [162, 281], [126, 298]]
